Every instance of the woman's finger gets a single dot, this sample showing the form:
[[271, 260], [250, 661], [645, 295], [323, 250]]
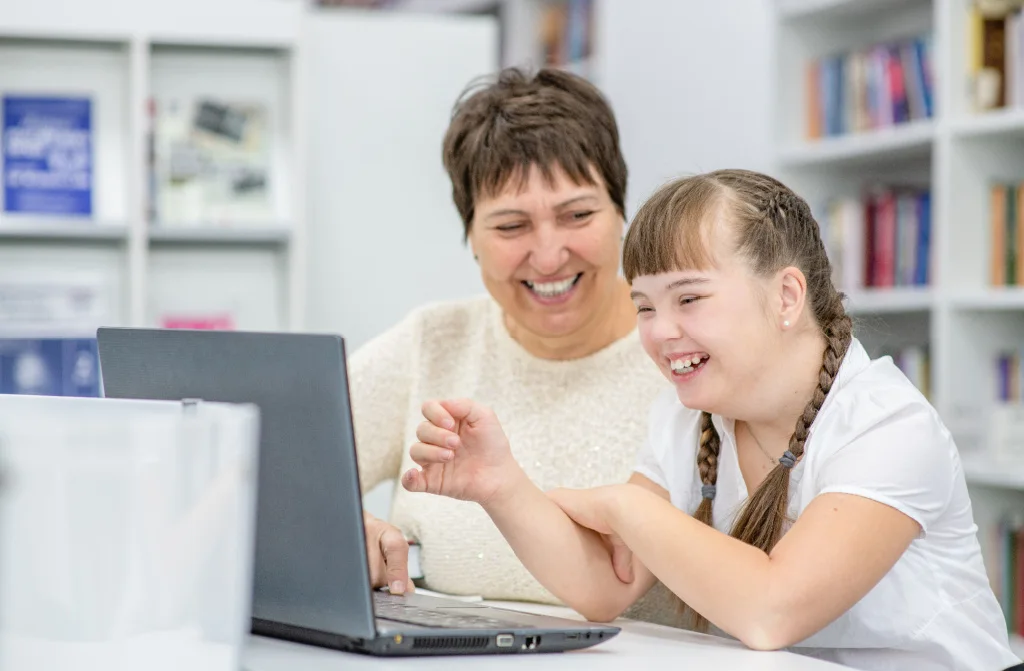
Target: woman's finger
[[437, 415], [431, 434], [426, 455], [414, 481]]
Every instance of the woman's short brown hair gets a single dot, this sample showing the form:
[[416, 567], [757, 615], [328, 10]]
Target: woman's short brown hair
[[502, 127]]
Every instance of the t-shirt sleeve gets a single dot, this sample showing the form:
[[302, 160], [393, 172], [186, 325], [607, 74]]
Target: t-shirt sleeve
[[654, 458], [905, 459]]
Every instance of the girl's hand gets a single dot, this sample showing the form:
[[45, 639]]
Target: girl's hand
[[463, 454], [589, 508]]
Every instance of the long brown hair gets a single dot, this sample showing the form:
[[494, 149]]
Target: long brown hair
[[774, 228]]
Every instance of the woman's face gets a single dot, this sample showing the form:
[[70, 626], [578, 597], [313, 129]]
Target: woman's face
[[708, 330], [549, 252]]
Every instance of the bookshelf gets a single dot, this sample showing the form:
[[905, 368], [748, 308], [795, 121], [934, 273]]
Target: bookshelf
[[957, 153], [530, 28], [123, 57]]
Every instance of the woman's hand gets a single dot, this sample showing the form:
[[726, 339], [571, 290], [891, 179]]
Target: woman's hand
[[589, 508], [464, 454]]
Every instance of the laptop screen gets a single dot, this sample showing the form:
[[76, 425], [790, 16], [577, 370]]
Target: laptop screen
[[310, 568]]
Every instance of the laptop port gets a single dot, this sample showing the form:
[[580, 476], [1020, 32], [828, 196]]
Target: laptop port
[[572, 637], [531, 642], [505, 640]]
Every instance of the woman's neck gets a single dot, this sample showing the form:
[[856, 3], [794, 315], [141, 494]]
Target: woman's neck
[[786, 391], [611, 321]]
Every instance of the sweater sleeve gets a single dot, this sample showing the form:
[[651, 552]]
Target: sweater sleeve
[[381, 376]]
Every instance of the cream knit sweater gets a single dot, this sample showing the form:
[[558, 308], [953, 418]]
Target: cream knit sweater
[[575, 423]]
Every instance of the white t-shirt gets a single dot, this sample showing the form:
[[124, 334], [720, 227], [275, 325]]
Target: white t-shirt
[[875, 436]]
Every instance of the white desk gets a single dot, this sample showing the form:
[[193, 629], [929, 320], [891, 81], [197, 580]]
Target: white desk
[[638, 645]]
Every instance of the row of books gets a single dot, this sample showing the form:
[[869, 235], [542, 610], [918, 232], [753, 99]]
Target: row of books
[[209, 160], [1006, 569], [915, 363], [996, 55], [866, 89], [882, 239], [1009, 385], [567, 34], [1006, 223]]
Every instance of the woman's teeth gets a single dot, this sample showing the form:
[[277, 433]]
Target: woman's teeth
[[687, 365], [552, 289]]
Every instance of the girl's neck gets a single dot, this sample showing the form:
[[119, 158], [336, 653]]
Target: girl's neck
[[611, 321], [785, 392]]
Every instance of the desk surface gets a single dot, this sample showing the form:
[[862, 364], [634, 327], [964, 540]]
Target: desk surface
[[638, 643]]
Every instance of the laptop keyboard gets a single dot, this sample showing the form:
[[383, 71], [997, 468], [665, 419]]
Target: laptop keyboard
[[393, 609]]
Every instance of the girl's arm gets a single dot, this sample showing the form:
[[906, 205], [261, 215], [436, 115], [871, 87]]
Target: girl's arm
[[835, 553], [464, 454]]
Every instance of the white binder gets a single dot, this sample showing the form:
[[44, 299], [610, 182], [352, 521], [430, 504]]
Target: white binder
[[126, 533]]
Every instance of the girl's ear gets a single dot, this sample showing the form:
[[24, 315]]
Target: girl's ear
[[792, 294]]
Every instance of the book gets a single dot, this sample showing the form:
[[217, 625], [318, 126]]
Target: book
[[49, 366], [53, 302], [212, 163], [48, 155], [220, 321]]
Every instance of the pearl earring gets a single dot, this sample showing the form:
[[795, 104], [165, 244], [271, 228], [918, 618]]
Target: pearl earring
[[786, 323]]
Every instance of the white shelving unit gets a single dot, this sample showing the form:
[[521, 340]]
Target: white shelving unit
[[957, 153], [122, 55], [521, 25]]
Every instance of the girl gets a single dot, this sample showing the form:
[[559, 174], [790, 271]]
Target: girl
[[792, 492]]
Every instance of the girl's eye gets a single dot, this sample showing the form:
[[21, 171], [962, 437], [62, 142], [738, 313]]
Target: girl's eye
[[686, 300], [643, 308]]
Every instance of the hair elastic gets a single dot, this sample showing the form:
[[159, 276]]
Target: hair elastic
[[707, 491], [787, 460]]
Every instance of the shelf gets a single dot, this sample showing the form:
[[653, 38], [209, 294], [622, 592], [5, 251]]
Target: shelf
[[814, 9], [901, 141], [60, 230], [890, 300], [980, 469], [990, 298], [273, 236], [995, 124], [1017, 645], [444, 6]]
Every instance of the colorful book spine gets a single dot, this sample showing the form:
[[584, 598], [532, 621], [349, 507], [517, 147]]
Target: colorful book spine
[[1006, 234]]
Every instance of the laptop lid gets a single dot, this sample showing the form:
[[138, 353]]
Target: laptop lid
[[310, 568]]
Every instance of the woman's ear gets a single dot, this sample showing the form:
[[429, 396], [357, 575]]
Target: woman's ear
[[793, 295]]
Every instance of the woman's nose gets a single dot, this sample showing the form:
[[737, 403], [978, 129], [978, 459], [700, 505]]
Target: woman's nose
[[550, 252]]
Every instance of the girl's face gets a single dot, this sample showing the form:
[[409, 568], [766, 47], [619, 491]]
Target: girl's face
[[710, 331]]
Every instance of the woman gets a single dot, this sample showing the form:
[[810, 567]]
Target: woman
[[791, 491], [539, 181]]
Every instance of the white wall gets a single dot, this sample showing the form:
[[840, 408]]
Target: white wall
[[383, 235], [689, 81]]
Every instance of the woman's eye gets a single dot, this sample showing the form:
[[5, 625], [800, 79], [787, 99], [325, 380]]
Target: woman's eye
[[686, 300], [643, 308], [508, 228], [580, 217]]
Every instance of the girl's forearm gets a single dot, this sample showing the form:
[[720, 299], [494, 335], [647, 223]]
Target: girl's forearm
[[570, 561], [678, 549]]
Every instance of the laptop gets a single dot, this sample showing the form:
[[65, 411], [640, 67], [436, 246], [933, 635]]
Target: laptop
[[311, 580]]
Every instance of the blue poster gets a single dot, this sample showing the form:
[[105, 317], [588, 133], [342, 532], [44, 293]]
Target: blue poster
[[47, 155], [49, 366]]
